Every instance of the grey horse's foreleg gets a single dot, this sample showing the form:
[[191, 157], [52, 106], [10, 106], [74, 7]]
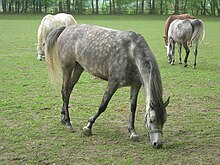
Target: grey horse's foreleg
[[110, 90], [187, 53], [133, 98], [70, 78], [172, 56]]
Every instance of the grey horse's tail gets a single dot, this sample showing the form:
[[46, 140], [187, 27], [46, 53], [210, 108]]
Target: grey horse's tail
[[51, 55], [199, 30]]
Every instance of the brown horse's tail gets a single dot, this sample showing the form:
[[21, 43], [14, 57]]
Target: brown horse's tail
[[52, 57]]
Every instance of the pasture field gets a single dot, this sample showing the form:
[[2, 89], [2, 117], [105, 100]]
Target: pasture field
[[30, 130]]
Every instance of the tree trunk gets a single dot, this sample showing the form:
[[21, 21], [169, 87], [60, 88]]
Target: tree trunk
[[113, 4], [45, 8], [60, 6], [136, 6], [110, 6], [40, 7], [97, 7], [184, 6], [161, 7], [217, 7], [153, 7], [4, 2], [142, 7], [176, 7], [68, 6], [93, 10]]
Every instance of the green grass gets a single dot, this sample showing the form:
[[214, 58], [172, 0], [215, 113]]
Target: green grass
[[30, 131]]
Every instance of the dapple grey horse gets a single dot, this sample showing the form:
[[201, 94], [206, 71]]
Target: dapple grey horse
[[123, 58], [181, 31]]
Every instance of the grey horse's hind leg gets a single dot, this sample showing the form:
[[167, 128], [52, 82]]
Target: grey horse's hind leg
[[187, 53], [195, 54], [133, 97], [70, 77], [110, 90], [179, 51]]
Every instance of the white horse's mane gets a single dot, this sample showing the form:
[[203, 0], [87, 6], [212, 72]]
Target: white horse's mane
[[49, 23]]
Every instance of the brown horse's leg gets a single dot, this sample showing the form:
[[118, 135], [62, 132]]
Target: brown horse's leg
[[70, 78], [133, 97], [110, 90]]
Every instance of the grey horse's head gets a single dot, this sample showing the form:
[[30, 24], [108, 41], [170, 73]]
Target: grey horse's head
[[155, 120], [170, 50]]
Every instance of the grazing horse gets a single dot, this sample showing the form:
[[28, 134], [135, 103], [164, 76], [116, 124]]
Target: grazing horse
[[48, 23], [180, 32], [123, 58], [170, 19]]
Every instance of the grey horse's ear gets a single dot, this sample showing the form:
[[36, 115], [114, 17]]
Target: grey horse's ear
[[166, 103]]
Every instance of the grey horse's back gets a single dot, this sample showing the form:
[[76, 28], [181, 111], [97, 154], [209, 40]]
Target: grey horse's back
[[180, 30]]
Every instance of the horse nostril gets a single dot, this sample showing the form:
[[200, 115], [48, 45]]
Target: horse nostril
[[157, 145]]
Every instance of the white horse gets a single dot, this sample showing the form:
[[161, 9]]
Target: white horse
[[181, 31], [49, 23]]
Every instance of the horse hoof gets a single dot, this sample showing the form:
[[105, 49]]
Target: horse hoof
[[70, 129], [87, 131], [62, 121], [180, 63], [172, 63], [185, 65], [135, 138]]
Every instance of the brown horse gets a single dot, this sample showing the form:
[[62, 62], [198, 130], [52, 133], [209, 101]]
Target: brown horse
[[170, 20]]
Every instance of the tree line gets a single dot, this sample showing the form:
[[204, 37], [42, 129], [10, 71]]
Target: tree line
[[194, 7]]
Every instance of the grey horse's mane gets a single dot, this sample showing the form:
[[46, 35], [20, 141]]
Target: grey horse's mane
[[156, 89]]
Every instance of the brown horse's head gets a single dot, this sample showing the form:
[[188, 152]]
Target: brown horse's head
[[165, 40]]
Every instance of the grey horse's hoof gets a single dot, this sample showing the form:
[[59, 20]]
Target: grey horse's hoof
[[135, 137], [69, 128], [185, 65], [87, 131]]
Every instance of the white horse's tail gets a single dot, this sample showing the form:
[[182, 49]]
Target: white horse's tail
[[52, 56], [199, 30]]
